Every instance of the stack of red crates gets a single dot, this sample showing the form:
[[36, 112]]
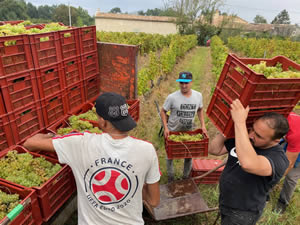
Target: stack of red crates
[[187, 149], [201, 166], [31, 213], [19, 88], [253, 89]]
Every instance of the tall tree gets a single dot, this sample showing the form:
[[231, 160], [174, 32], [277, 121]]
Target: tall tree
[[282, 18], [85, 18], [115, 10], [259, 19], [61, 14], [32, 11], [46, 12]]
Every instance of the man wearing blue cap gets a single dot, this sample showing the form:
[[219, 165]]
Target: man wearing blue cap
[[183, 105]]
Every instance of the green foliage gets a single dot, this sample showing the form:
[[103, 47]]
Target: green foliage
[[258, 48], [146, 42], [205, 31], [115, 10], [164, 63], [259, 19], [219, 54], [282, 18], [24, 169]]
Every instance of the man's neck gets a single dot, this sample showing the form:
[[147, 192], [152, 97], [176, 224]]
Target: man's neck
[[187, 94], [118, 135]]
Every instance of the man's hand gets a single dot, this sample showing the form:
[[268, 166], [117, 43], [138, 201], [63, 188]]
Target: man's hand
[[166, 132], [239, 114], [205, 131]]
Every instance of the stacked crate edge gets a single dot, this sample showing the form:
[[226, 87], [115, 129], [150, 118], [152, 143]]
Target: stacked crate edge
[[201, 166]]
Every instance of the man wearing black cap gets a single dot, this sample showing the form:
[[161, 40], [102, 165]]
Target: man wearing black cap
[[114, 172], [183, 105]]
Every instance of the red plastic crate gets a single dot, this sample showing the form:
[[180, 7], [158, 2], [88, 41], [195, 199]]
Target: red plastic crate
[[54, 108], [13, 22], [26, 121], [31, 213], [45, 49], [19, 90], [38, 26], [75, 96], [88, 39], [201, 166], [187, 149], [6, 135], [92, 88], [50, 80], [134, 109], [15, 54], [90, 65], [53, 193], [72, 71], [261, 94], [62, 123], [69, 41]]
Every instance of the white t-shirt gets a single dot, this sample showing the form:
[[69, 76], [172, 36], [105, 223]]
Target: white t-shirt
[[183, 110], [109, 175]]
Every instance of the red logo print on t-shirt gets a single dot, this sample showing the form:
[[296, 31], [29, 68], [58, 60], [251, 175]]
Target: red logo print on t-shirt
[[110, 185]]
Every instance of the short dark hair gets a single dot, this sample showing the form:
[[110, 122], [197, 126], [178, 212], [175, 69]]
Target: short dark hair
[[277, 122]]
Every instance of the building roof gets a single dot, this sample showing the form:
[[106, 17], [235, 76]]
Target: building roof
[[135, 17]]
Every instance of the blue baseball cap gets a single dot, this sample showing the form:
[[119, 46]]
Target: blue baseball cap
[[185, 77]]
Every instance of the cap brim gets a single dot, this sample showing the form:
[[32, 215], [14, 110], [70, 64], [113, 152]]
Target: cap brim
[[124, 125], [183, 80]]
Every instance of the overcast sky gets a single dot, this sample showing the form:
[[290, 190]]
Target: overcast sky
[[246, 9]]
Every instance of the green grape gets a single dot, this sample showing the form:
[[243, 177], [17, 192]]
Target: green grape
[[66, 130], [7, 203], [272, 72], [23, 169], [185, 137]]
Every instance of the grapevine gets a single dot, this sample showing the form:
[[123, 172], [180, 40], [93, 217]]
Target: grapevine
[[24, 169]]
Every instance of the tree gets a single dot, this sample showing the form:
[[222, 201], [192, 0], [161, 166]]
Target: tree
[[115, 10], [32, 11], [46, 12], [13, 10], [282, 18], [85, 18], [61, 14], [259, 19]]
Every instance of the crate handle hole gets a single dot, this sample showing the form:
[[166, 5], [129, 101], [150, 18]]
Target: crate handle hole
[[53, 99], [226, 103], [74, 88], [92, 80], [43, 39], [49, 71], [25, 112], [19, 80], [70, 63], [89, 57], [67, 35], [10, 43], [87, 31]]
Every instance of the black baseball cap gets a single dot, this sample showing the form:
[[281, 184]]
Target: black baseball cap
[[185, 77], [113, 107]]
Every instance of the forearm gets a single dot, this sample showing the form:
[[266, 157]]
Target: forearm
[[216, 146], [163, 116], [151, 194], [244, 149], [201, 118], [39, 142]]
